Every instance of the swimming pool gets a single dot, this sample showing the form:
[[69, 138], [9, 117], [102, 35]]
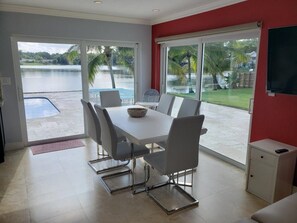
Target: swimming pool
[[39, 107]]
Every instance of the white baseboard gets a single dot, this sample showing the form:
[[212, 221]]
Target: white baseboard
[[14, 146]]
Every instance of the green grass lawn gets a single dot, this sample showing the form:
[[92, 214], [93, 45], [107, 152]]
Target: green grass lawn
[[236, 98]]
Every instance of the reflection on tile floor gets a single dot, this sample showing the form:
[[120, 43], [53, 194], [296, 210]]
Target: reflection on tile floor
[[61, 187]]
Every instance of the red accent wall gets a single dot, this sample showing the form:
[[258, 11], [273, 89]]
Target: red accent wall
[[273, 117]]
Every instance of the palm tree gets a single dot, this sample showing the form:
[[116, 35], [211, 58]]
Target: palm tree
[[105, 55], [223, 56], [216, 61], [101, 55], [125, 57], [239, 50], [182, 60]]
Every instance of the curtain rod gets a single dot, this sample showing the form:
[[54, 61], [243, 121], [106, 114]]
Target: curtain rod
[[226, 29]]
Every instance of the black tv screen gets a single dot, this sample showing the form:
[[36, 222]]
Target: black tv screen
[[282, 60]]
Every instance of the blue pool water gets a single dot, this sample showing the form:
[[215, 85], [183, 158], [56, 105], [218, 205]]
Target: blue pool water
[[39, 107]]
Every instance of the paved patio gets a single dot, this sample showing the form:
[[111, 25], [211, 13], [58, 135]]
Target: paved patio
[[228, 130], [227, 127]]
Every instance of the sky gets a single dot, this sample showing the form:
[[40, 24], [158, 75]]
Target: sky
[[43, 47]]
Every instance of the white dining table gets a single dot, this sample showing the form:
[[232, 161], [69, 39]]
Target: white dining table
[[153, 127]]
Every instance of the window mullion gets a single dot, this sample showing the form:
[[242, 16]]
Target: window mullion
[[199, 69]]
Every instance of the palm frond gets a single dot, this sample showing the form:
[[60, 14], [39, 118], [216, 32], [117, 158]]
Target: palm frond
[[72, 55], [74, 47], [93, 68]]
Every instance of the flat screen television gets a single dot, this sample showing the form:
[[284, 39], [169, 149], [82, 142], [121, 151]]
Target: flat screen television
[[282, 60]]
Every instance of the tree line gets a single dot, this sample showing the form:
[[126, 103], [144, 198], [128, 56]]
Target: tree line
[[46, 58]]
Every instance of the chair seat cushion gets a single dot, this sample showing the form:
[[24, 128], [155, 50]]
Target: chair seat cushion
[[283, 211], [157, 161], [124, 151]]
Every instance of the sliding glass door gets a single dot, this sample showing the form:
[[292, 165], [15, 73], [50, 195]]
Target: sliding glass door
[[51, 88], [219, 71], [54, 75], [226, 90]]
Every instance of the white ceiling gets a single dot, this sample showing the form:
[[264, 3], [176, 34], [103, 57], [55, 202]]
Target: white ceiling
[[131, 11]]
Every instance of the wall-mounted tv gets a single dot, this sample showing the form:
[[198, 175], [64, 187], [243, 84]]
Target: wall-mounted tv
[[282, 60]]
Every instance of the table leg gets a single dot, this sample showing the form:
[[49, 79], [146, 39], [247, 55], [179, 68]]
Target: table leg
[[133, 165]]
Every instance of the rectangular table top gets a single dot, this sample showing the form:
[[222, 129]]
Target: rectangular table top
[[154, 127]]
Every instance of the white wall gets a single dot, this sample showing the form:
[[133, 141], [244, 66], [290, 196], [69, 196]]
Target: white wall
[[66, 28]]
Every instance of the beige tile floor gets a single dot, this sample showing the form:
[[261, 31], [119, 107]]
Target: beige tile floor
[[61, 187]]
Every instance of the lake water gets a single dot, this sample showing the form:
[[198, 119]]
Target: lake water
[[59, 78], [52, 78]]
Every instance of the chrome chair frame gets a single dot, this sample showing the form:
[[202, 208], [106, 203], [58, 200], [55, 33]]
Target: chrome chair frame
[[193, 201]]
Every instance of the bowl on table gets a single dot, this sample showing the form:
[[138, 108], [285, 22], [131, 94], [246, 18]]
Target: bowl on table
[[137, 112]]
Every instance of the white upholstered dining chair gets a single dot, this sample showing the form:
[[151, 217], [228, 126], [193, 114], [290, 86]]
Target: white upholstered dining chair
[[117, 150], [94, 132], [165, 104], [110, 98], [180, 155], [189, 107]]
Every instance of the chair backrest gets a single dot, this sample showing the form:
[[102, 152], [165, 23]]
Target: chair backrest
[[93, 124], [189, 107], [108, 134], [183, 144], [165, 104], [110, 98], [151, 95]]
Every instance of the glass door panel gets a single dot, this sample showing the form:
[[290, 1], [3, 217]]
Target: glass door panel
[[226, 89], [181, 70], [111, 67], [52, 89], [181, 73]]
